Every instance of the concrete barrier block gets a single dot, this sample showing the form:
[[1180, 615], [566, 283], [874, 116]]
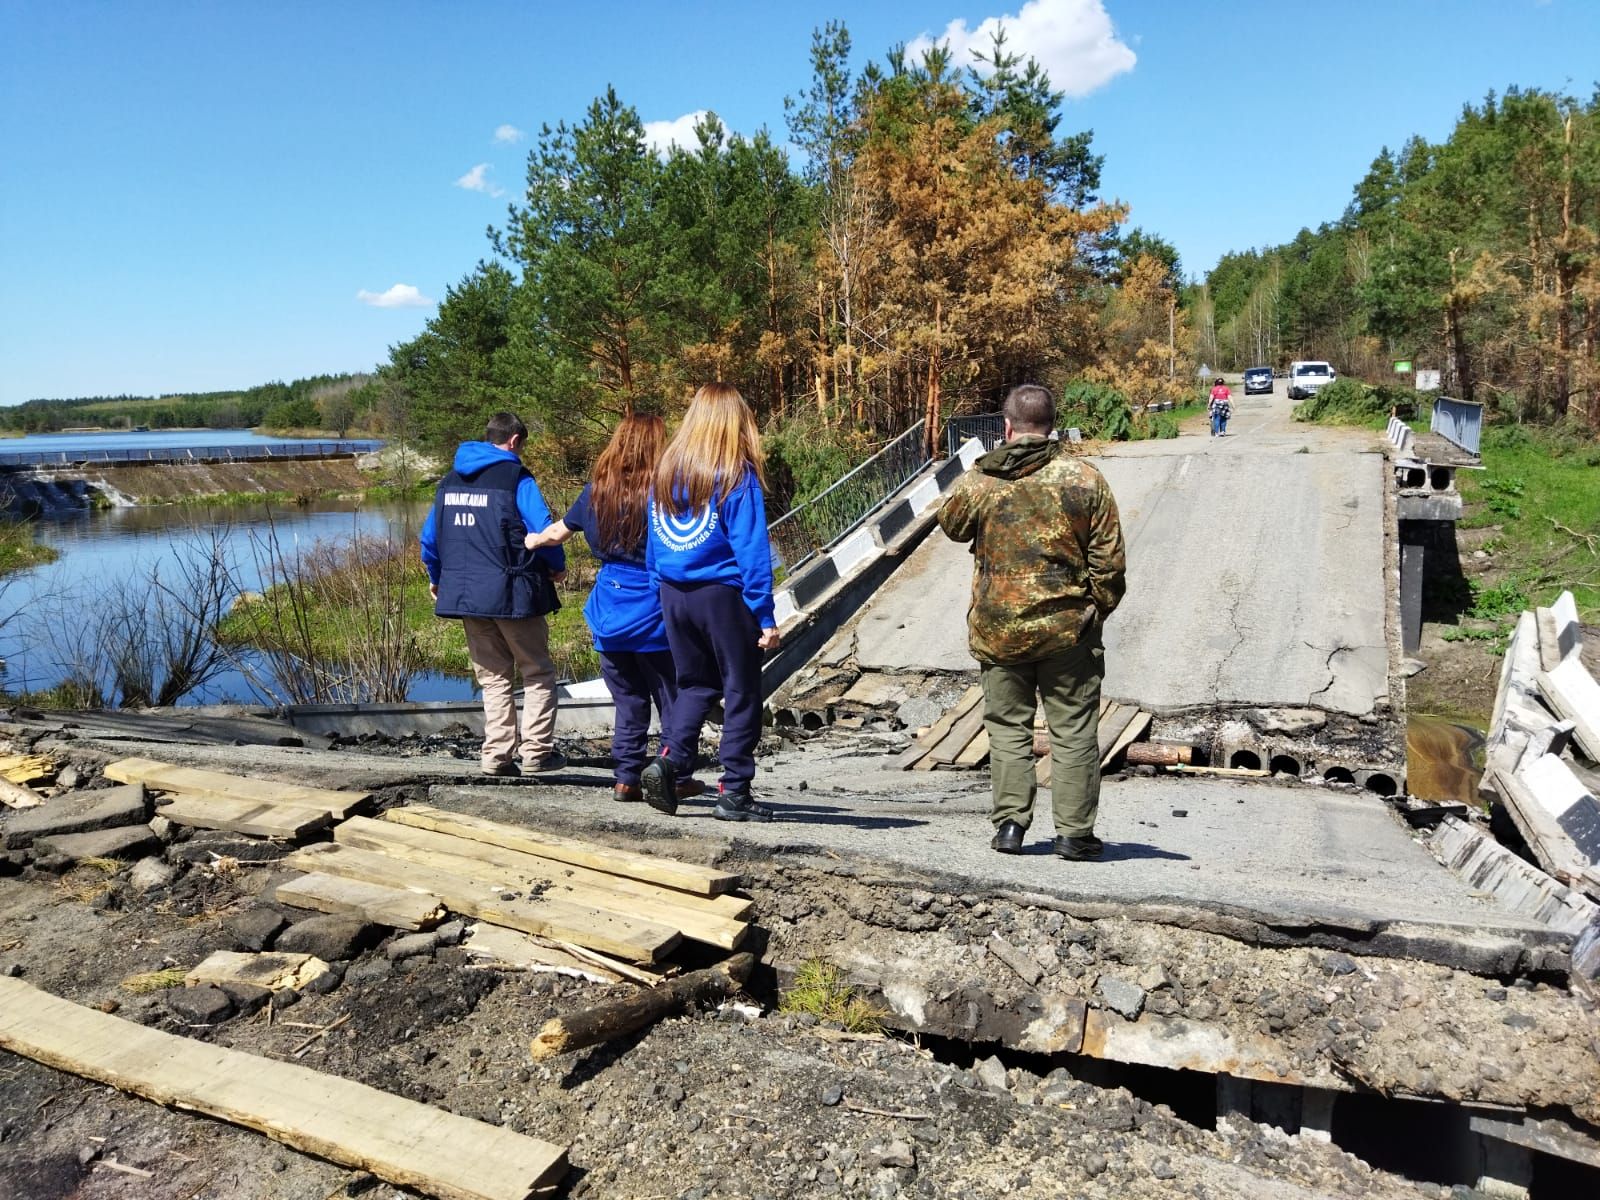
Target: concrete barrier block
[[971, 451], [1569, 634], [784, 608], [1573, 693], [895, 521], [860, 547], [925, 496], [808, 587], [948, 472], [1563, 796]]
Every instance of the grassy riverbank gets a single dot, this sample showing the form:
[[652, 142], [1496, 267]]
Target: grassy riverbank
[[365, 609], [20, 549]]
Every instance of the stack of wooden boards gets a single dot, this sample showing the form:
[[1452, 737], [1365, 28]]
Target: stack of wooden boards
[[959, 741], [1543, 745], [612, 908], [235, 803]]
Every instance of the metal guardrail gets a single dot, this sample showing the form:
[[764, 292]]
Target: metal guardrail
[[988, 428], [818, 524], [1459, 422], [185, 454]]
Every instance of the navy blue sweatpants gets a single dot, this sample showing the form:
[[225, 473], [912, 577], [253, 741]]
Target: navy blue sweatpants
[[713, 637], [637, 679]]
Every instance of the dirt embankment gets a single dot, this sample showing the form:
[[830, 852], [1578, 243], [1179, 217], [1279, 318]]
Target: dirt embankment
[[165, 483]]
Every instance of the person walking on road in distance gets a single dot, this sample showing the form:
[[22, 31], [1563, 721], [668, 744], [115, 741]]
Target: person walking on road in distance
[[707, 546], [1050, 568], [1220, 408], [479, 571], [624, 608]]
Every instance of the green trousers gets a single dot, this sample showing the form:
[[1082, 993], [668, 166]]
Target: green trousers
[[1068, 687]]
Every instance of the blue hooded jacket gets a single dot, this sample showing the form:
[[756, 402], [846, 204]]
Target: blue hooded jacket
[[472, 460], [725, 542]]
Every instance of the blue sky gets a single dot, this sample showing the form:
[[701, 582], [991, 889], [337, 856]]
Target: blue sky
[[194, 196]]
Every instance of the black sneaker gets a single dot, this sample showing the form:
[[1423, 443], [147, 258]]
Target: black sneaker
[[550, 760], [1079, 849], [659, 781], [1008, 838], [503, 770], [739, 806]]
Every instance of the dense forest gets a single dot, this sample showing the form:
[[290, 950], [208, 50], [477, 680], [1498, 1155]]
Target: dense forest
[[941, 239], [329, 402], [1478, 256]]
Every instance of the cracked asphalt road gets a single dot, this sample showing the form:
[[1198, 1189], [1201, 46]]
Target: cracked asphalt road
[[1255, 573]]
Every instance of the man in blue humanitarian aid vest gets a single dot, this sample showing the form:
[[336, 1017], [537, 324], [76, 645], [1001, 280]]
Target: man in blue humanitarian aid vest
[[472, 549]]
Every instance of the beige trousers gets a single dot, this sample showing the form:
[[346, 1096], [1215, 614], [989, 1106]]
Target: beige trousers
[[496, 646]]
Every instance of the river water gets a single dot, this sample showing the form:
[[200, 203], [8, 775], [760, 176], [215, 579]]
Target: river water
[[118, 548], [1443, 760], [158, 439]]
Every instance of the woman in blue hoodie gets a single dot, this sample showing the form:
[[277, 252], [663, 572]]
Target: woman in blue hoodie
[[624, 609], [707, 547]]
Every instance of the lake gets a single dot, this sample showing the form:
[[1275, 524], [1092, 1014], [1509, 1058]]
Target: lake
[[118, 547]]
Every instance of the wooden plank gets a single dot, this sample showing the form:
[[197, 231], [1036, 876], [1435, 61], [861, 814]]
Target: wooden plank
[[399, 908], [1112, 725], [648, 868], [269, 969], [1573, 693], [494, 865], [402, 1142], [524, 952], [936, 731], [245, 816], [631, 938], [949, 748], [1132, 732], [977, 750], [216, 784]]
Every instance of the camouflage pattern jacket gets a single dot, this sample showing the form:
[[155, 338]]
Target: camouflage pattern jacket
[[1048, 544]]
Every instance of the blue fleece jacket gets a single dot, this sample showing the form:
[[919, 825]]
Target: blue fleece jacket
[[471, 458], [725, 542]]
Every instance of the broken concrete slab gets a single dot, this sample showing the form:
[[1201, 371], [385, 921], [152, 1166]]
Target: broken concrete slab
[[131, 842], [78, 812], [1573, 693]]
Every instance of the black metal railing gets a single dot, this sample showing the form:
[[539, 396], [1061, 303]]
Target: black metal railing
[[816, 525], [988, 428], [187, 454]]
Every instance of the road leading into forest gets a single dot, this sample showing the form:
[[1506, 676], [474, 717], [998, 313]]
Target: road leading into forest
[[1255, 572]]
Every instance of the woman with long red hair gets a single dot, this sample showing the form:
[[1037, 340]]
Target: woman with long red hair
[[624, 608]]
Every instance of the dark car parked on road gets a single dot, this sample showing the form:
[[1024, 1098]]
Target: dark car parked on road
[[1257, 380]]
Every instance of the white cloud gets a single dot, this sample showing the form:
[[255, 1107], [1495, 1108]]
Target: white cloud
[[508, 135], [661, 136], [477, 180], [401, 295], [1073, 40]]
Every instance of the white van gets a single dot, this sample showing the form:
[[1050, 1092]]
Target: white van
[[1308, 378]]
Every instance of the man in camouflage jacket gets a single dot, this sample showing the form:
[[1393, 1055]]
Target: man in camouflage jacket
[[1050, 567]]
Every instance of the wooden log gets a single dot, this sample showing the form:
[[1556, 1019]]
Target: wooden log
[[591, 1026], [646, 868], [699, 917], [190, 781], [18, 795], [398, 908], [630, 938], [405, 1143], [1159, 754]]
